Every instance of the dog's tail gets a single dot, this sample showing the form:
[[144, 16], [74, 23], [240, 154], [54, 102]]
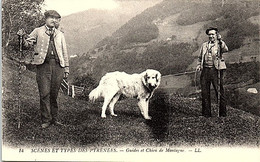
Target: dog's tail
[[95, 94]]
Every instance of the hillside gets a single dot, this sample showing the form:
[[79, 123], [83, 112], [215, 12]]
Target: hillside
[[176, 121], [167, 37], [84, 29], [139, 44], [162, 35]]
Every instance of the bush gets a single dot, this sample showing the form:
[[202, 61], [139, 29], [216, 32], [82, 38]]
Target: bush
[[242, 72]]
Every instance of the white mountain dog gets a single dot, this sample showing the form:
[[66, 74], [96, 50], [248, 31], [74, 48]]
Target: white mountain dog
[[115, 84]]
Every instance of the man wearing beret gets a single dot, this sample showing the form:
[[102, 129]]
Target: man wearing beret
[[52, 62], [212, 65]]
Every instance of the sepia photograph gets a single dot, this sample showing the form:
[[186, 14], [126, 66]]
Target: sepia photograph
[[130, 80]]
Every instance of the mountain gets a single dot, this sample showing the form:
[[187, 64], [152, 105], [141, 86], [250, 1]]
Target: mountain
[[84, 29], [163, 35]]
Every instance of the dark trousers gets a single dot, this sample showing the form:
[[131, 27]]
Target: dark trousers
[[49, 77], [208, 76]]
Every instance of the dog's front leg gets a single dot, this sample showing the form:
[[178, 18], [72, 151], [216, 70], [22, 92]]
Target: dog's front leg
[[143, 105], [140, 106], [146, 110]]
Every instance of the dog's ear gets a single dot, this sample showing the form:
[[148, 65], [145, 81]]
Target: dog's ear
[[158, 77], [144, 79]]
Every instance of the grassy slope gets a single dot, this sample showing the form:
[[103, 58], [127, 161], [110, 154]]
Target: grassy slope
[[176, 121], [183, 33]]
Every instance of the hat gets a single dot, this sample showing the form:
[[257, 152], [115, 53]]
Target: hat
[[211, 28], [52, 13]]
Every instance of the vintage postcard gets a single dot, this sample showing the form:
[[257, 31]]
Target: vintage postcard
[[130, 80]]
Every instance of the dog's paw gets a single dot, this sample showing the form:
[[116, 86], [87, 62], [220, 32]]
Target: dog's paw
[[148, 118], [103, 116], [113, 114]]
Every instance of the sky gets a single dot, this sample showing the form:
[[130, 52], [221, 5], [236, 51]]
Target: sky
[[66, 7]]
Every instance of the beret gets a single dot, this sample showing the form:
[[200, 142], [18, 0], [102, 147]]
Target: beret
[[211, 28], [52, 13]]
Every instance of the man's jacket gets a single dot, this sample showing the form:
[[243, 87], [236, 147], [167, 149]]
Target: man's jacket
[[218, 63], [39, 38]]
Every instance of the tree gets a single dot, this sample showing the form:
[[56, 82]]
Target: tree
[[17, 14]]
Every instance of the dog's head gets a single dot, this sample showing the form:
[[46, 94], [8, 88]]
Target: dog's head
[[151, 78]]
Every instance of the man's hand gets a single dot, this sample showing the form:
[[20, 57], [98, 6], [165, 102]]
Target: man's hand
[[21, 32], [198, 68], [219, 37], [66, 74]]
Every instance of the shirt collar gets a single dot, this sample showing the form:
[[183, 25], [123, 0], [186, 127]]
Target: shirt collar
[[209, 42], [50, 28]]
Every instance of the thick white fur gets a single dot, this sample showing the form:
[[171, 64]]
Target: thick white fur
[[114, 84]]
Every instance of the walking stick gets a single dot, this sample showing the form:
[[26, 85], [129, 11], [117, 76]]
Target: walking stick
[[20, 33], [219, 76]]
